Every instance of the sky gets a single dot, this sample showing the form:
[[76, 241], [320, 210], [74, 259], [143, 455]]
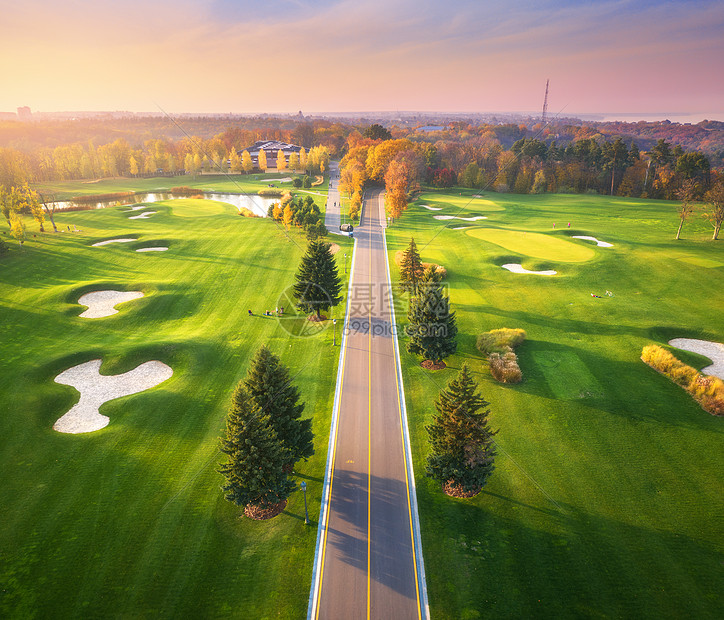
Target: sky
[[281, 56]]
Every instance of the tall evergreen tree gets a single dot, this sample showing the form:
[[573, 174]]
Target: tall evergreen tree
[[460, 437], [432, 329], [268, 384], [411, 270], [254, 471], [318, 285]]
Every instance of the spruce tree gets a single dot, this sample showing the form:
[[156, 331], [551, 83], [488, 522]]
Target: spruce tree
[[411, 270], [254, 471], [432, 329], [460, 437], [318, 285], [268, 384]]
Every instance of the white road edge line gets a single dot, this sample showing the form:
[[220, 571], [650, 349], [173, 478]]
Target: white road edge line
[[408, 451], [317, 572]]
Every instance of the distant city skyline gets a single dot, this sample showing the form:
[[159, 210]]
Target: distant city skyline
[[641, 57]]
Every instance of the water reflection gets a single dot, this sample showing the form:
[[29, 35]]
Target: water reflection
[[256, 204]]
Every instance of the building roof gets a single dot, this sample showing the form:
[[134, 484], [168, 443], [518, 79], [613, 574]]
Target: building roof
[[271, 146]]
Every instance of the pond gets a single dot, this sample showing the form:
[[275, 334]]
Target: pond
[[255, 203]]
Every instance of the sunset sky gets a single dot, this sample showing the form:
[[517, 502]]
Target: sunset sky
[[352, 55]]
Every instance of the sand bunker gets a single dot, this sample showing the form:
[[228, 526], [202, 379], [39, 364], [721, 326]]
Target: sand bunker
[[143, 216], [96, 389], [713, 350], [124, 240], [453, 217], [431, 208], [600, 244], [460, 228], [101, 303], [159, 248], [516, 268], [137, 207]]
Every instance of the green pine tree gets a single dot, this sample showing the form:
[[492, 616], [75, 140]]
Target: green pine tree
[[460, 437], [318, 285], [268, 384], [432, 329], [254, 471], [411, 270]]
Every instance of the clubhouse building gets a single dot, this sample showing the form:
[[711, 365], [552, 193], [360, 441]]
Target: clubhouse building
[[271, 148]]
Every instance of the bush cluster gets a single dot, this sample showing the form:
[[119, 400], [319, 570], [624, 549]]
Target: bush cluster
[[500, 340], [183, 189], [504, 368], [498, 345], [705, 390], [303, 213]]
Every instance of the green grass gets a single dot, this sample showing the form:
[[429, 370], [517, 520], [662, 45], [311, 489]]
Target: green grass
[[545, 247], [129, 521], [606, 500]]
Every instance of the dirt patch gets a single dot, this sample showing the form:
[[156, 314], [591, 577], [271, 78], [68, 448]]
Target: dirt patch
[[259, 513], [96, 389], [317, 319], [334, 248], [455, 490], [102, 303], [143, 216], [124, 240], [600, 244], [430, 365], [713, 350], [516, 268]]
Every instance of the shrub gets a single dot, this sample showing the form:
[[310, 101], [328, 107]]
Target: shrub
[[705, 390], [244, 212], [505, 369], [499, 340], [439, 270], [273, 192], [306, 182], [297, 182], [502, 188], [183, 189]]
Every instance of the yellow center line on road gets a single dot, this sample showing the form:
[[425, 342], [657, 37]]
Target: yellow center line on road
[[318, 595]]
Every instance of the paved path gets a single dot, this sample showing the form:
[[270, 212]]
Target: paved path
[[369, 563]]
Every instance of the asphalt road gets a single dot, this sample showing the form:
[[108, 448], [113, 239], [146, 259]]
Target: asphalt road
[[367, 557]]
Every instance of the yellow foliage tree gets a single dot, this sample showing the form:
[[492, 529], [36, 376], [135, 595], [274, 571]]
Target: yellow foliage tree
[[262, 160], [281, 161], [246, 163], [288, 216]]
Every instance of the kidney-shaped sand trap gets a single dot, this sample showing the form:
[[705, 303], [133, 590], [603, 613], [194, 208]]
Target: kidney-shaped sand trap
[[143, 216], [96, 389], [600, 244], [101, 303], [138, 208], [431, 208], [123, 240], [516, 268], [713, 350], [453, 217], [159, 248]]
